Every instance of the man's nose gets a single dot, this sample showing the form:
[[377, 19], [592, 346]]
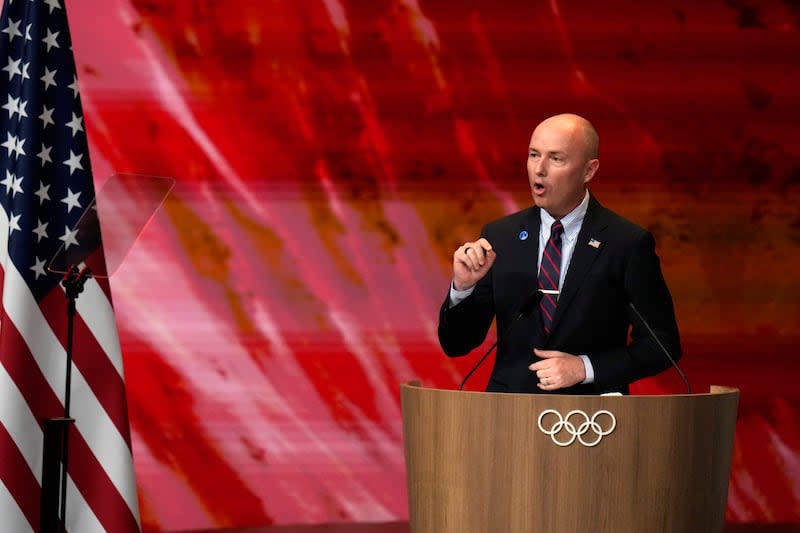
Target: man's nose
[[540, 168]]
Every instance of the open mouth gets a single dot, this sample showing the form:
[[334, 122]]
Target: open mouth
[[538, 188]]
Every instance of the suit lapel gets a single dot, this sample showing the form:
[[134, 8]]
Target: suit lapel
[[522, 251], [589, 244], [534, 221]]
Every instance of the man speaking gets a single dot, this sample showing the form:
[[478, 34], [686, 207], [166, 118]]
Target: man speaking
[[590, 270]]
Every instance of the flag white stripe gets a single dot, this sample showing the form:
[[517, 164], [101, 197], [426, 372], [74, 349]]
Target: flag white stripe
[[96, 311], [12, 517], [21, 424], [80, 517], [93, 422]]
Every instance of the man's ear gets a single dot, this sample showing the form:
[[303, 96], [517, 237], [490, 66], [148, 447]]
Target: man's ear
[[591, 168]]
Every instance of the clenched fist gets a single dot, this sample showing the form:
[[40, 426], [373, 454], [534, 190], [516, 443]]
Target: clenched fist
[[471, 261]]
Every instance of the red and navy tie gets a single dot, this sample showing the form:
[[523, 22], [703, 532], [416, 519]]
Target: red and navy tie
[[550, 273]]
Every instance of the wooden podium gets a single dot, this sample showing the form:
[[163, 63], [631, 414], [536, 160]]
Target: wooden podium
[[528, 463]]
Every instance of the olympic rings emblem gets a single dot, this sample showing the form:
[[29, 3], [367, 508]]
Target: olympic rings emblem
[[563, 424]]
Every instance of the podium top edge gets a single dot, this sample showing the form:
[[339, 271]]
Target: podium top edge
[[714, 390]]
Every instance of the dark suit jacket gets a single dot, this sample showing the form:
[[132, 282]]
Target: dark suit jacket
[[592, 317]]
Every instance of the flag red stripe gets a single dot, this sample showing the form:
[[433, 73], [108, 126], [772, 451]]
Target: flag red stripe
[[86, 472], [22, 483], [105, 287]]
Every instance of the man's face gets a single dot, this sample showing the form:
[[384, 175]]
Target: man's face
[[559, 166]]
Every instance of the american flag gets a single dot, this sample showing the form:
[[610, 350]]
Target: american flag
[[46, 184]]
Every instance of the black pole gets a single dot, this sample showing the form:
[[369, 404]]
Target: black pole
[[73, 287], [53, 515], [55, 431]]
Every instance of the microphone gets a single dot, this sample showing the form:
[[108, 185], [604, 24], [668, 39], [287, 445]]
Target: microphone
[[663, 349], [528, 305]]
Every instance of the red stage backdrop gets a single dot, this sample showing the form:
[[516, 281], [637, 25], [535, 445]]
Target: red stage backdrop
[[331, 154]]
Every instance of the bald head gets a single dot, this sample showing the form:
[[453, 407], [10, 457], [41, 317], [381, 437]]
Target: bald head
[[584, 133], [562, 159]]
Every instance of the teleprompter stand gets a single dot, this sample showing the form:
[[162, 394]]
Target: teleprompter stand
[[55, 452], [105, 233]]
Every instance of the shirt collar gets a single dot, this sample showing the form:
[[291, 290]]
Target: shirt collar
[[571, 221]]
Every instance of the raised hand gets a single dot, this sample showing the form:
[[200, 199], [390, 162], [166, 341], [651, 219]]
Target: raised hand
[[471, 261]]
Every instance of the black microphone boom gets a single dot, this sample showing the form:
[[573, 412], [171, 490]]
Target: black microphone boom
[[528, 305], [663, 349]]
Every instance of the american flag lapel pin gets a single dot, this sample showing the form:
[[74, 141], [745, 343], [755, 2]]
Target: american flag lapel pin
[[594, 243]]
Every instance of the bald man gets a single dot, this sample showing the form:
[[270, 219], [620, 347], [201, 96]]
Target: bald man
[[589, 262]]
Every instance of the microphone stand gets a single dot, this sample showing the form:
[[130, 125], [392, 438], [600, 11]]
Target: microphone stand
[[663, 349], [56, 430], [527, 307]]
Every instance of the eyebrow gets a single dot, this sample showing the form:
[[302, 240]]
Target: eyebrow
[[550, 152]]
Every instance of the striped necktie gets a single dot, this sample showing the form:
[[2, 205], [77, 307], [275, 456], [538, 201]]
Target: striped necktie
[[550, 274]]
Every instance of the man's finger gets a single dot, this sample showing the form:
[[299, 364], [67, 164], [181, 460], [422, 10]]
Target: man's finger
[[483, 243], [477, 255], [544, 354], [468, 256]]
